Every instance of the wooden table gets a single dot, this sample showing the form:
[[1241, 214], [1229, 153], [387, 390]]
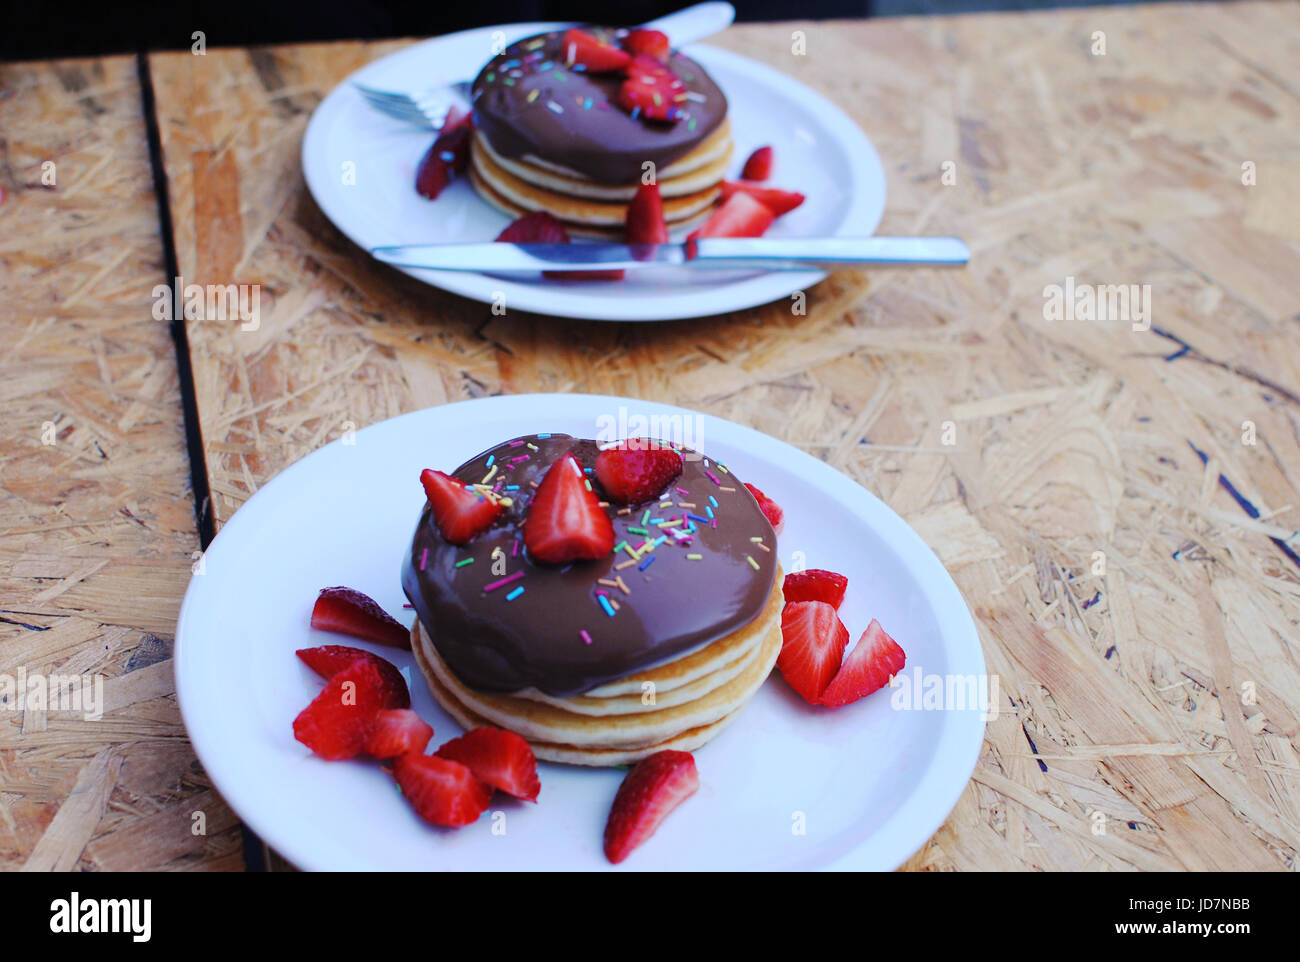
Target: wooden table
[[1143, 624]]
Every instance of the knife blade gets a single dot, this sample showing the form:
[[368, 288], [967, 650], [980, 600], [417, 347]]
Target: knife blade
[[716, 253]]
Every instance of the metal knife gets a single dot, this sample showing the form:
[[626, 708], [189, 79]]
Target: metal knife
[[716, 253]]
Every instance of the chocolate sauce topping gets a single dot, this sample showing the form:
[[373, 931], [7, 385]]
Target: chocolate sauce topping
[[504, 640], [526, 101]]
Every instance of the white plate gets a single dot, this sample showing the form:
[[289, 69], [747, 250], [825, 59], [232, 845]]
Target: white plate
[[819, 152], [873, 783]]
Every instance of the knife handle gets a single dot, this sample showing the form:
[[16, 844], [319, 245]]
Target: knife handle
[[931, 251]]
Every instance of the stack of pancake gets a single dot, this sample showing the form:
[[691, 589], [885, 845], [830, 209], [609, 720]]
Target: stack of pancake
[[552, 137], [694, 698]]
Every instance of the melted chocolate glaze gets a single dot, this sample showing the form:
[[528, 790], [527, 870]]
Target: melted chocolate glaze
[[602, 141], [675, 605]]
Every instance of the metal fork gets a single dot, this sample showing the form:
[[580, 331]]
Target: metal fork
[[427, 109]]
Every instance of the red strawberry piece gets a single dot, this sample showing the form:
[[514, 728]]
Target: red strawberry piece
[[565, 520], [441, 791], [447, 157], [739, 216], [651, 90], [777, 201], [652, 43], [328, 660], [653, 788], [540, 227], [771, 510], [759, 165], [815, 584], [349, 612], [397, 731], [459, 511], [337, 724], [868, 668], [813, 640], [636, 470], [498, 758], [610, 275], [592, 53], [645, 217]]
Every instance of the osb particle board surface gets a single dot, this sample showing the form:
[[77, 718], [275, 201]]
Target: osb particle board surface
[[96, 527]]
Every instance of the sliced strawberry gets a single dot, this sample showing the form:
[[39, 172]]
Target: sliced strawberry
[[540, 227], [815, 584], [636, 470], [652, 43], [338, 722], [771, 510], [349, 612], [652, 90], [610, 275], [645, 217], [653, 788], [459, 511], [328, 660], [777, 201], [498, 758], [874, 659], [813, 640], [739, 216], [759, 165], [397, 731], [440, 790], [592, 53], [565, 520], [448, 156]]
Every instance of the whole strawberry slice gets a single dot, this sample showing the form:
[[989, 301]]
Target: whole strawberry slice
[[759, 165], [448, 156], [459, 511], [349, 612], [645, 217], [328, 660], [337, 724], [540, 227], [739, 216], [652, 789], [498, 758], [441, 791], [652, 43], [397, 731], [777, 201], [636, 471], [813, 640], [815, 584], [592, 53], [565, 520], [652, 90], [871, 663], [771, 510]]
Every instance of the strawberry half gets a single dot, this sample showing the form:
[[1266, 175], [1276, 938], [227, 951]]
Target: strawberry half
[[874, 659], [337, 724], [759, 165], [459, 511], [592, 53], [397, 731], [636, 471], [448, 156], [328, 660], [652, 789], [739, 216], [565, 520], [777, 201], [652, 43], [498, 758], [813, 640], [440, 790], [539, 227], [771, 510], [645, 217], [651, 90], [815, 584], [349, 612]]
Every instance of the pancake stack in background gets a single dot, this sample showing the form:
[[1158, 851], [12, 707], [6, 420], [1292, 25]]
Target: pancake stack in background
[[680, 704]]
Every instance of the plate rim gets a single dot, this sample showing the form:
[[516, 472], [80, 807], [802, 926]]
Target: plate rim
[[936, 792], [569, 301]]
